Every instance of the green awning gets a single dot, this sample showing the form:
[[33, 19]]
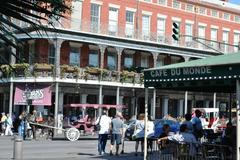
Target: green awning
[[214, 74]]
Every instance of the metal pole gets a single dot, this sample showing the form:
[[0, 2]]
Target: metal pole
[[17, 148], [100, 100], [186, 102], [238, 117], [11, 99], [154, 104], [230, 108], [145, 123], [56, 108], [214, 99]]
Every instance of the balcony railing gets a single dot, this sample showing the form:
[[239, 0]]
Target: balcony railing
[[70, 72]]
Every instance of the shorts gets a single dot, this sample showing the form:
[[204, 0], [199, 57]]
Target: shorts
[[117, 138]]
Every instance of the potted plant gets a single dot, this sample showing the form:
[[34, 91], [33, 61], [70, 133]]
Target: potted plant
[[93, 70], [20, 69], [69, 69], [42, 66], [6, 69]]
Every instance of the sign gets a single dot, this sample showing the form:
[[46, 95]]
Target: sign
[[39, 95]]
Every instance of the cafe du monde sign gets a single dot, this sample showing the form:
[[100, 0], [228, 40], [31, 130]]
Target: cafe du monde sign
[[181, 72]]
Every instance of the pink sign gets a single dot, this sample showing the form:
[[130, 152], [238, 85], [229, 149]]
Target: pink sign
[[39, 95]]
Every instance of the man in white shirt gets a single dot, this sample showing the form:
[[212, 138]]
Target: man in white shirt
[[105, 123]]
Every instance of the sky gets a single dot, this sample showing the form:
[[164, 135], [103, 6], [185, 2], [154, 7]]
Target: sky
[[235, 1]]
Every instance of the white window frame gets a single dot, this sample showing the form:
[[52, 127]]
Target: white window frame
[[76, 15], [144, 60], [129, 30], [95, 27], [236, 41], [75, 55], [113, 21], [162, 2], [189, 34], [94, 52], [237, 18], [225, 39], [161, 29], [202, 36], [176, 4], [202, 10], [146, 27], [214, 37], [214, 13], [226, 16], [189, 7]]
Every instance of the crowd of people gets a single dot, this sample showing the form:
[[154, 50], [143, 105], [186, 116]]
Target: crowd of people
[[24, 124]]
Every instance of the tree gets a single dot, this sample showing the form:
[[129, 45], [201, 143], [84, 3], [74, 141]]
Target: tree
[[31, 12]]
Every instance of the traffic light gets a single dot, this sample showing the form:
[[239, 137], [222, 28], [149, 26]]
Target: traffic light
[[176, 31]]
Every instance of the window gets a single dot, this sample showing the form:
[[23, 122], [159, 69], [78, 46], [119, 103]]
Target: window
[[189, 34], [128, 60], [214, 13], [225, 41], [226, 16], [146, 27], [176, 4], [95, 18], [201, 34], [160, 61], [51, 54], [129, 24], [113, 21], [111, 61], [237, 19], [214, 38], [202, 10], [76, 15], [162, 2], [190, 8], [31, 52], [236, 40], [161, 23], [144, 61], [93, 58], [74, 59]]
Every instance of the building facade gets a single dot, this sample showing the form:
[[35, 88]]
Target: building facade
[[96, 54]]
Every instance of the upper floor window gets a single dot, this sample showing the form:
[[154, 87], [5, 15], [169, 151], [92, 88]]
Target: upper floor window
[[161, 28], [225, 39], [31, 52], [146, 27], [202, 10], [226, 16], [190, 8], [74, 59], [148, 0], [111, 61], [113, 21], [144, 61], [95, 18], [214, 42], [237, 19], [128, 61], [236, 41], [176, 4], [51, 54], [162, 2], [188, 32], [129, 24], [201, 34], [76, 15], [214, 13], [93, 58]]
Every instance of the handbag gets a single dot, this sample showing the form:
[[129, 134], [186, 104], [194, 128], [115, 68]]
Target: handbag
[[97, 127]]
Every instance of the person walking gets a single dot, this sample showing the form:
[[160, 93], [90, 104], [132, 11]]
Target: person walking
[[188, 122], [197, 125], [138, 135], [117, 132], [3, 123], [32, 119], [9, 125], [105, 122]]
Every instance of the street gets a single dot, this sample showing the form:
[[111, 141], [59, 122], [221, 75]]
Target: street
[[60, 149]]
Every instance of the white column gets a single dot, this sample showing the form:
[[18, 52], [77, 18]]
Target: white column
[[119, 54], [117, 95], [180, 107], [214, 99], [100, 99], [57, 45], [56, 108], [145, 123], [60, 99], [238, 117], [10, 99], [83, 98], [186, 102], [155, 55], [102, 50], [186, 58], [165, 106], [153, 105]]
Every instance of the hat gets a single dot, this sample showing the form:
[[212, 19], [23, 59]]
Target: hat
[[3, 113]]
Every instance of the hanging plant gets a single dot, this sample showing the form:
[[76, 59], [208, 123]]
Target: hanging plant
[[21, 69]]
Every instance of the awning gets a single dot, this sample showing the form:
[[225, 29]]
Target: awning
[[108, 106], [214, 74]]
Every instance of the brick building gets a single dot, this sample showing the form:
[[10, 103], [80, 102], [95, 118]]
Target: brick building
[[96, 55]]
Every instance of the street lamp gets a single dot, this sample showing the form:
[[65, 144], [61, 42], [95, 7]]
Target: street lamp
[[28, 99]]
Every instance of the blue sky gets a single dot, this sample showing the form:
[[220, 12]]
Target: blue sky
[[235, 1]]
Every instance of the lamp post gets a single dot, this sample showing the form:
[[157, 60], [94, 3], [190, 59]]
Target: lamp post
[[28, 99]]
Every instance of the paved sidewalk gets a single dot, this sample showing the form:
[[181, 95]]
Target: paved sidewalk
[[61, 149]]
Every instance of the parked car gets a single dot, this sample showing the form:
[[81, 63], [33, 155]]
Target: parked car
[[158, 125]]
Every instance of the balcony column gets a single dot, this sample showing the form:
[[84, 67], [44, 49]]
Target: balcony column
[[186, 59], [165, 106], [214, 99], [155, 56], [186, 102], [100, 100], [180, 107], [153, 108], [57, 45], [102, 51], [119, 55]]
